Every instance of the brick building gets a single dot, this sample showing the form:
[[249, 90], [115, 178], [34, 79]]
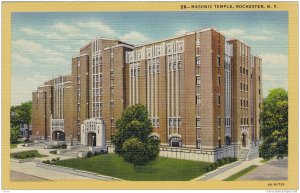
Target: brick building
[[202, 92]]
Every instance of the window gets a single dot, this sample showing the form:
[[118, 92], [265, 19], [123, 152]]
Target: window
[[157, 67], [198, 100], [179, 64], [139, 71], [219, 61], [241, 121], [219, 80], [112, 74], [198, 80], [240, 69], [198, 61], [219, 121], [198, 142], [219, 99], [241, 86], [112, 122], [179, 122], [198, 122], [170, 122], [179, 56]]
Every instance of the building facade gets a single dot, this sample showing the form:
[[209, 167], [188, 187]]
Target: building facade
[[202, 92]]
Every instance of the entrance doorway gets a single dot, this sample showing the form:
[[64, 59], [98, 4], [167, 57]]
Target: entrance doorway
[[58, 136], [175, 142], [244, 140], [91, 139], [228, 141]]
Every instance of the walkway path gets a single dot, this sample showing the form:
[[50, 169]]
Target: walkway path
[[226, 171], [273, 170]]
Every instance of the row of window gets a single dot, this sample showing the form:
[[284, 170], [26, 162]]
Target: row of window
[[244, 103], [97, 61], [244, 121], [175, 122], [135, 71], [243, 70], [243, 87]]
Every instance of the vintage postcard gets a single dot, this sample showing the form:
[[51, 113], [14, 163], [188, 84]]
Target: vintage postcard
[[142, 95]]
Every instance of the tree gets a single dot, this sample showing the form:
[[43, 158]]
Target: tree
[[21, 115], [274, 125], [132, 140], [135, 152], [14, 134]]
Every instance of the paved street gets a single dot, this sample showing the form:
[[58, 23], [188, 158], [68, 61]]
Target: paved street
[[273, 170], [29, 168]]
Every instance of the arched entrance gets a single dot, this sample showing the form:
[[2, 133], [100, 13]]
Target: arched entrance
[[175, 142], [91, 139], [244, 139], [58, 136]]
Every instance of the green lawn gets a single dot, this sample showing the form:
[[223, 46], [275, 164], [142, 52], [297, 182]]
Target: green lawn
[[13, 145], [159, 170], [240, 173], [26, 154]]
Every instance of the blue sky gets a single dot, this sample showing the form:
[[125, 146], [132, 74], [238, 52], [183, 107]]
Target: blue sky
[[43, 43]]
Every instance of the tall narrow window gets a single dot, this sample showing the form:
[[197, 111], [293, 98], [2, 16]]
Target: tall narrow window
[[219, 61], [197, 80], [198, 61]]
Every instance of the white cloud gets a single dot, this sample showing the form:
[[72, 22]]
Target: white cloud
[[275, 60], [134, 37], [257, 37], [30, 31], [181, 32], [275, 71], [48, 35], [41, 54], [23, 86], [98, 26], [65, 28], [263, 35], [233, 32], [18, 58]]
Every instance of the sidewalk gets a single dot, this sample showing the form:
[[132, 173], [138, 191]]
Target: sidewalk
[[226, 171], [236, 169]]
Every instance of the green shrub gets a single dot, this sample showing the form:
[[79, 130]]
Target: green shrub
[[53, 152], [89, 154], [64, 146], [48, 162], [58, 158]]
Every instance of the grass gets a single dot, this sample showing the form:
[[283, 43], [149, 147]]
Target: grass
[[240, 173], [14, 144], [162, 169], [26, 154]]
